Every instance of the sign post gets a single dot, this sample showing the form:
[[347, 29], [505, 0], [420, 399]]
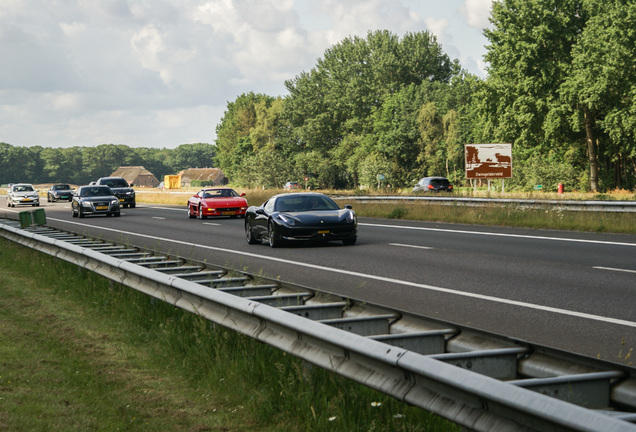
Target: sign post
[[488, 161]]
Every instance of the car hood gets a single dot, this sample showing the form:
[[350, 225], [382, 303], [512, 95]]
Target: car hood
[[318, 217], [99, 198], [24, 194], [224, 201], [122, 189]]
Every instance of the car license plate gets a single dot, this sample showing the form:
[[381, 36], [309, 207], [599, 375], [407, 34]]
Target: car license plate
[[121, 200], [101, 208], [26, 199], [229, 213], [323, 232]]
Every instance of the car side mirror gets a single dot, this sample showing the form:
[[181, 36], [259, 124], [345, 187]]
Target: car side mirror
[[243, 194], [348, 206], [260, 211]]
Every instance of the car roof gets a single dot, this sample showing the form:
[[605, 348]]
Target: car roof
[[300, 194]]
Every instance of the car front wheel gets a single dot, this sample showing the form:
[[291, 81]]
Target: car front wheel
[[350, 241]]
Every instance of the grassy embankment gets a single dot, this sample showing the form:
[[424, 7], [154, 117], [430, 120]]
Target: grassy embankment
[[510, 215], [78, 352]]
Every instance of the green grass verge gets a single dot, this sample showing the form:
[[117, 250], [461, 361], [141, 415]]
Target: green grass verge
[[78, 352], [506, 215]]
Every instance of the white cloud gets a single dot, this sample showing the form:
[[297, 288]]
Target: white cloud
[[438, 27], [161, 72], [477, 12]]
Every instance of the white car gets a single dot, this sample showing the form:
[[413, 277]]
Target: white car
[[22, 194]]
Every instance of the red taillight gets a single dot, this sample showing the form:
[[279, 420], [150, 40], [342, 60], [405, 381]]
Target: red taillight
[[431, 187], [450, 186]]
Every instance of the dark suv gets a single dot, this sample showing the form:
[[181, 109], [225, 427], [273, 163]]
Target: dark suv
[[124, 193], [433, 184]]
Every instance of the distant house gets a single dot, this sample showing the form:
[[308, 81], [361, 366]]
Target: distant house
[[137, 176], [214, 176]]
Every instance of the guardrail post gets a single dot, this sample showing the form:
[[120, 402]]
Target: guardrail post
[[32, 217], [39, 217], [25, 219]]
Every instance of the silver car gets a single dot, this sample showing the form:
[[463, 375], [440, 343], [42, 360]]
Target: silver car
[[22, 194]]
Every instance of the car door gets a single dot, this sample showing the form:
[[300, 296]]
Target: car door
[[261, 218]]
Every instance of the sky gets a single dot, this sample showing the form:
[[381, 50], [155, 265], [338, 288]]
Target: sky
[[160, 73]]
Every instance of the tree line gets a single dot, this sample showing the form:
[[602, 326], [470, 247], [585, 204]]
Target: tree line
[[81, 165], [560, 87]]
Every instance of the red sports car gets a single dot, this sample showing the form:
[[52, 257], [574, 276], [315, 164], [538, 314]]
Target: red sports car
[[217, 202]]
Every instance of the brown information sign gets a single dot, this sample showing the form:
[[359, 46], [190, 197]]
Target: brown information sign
[[488, 161]]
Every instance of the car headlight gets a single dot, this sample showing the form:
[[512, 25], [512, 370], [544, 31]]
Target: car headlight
[[286, 219], [130, 193], [115, 201], [351, 217], [86, 204]]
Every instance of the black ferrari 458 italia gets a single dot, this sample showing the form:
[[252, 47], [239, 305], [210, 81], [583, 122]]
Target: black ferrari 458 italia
[[298, 217]]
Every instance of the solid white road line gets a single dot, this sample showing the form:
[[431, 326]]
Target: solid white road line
[[509, 302], [614, 269], [500, 234], [410, 246]]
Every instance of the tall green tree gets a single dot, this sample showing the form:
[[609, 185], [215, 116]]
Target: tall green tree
[[529, 56], [245, 122], [331, 108], [599, 93], [561, 77]]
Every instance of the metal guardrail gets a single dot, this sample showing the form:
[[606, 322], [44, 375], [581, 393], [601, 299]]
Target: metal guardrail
[[481, 381], [569, 205]]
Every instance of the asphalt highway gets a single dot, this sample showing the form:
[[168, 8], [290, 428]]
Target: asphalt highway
[[567, 290]]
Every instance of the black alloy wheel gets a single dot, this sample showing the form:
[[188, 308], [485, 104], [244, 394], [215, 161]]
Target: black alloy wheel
[[249, 235]]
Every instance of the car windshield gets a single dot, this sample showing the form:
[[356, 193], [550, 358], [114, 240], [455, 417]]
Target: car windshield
[[115, 183], [61, 187], [300, 203], [219, 193], [23, 188], [95, 191]]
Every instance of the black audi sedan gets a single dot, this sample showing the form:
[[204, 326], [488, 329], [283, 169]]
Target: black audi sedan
[[121, 189], [300, 217], [94, 200]]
